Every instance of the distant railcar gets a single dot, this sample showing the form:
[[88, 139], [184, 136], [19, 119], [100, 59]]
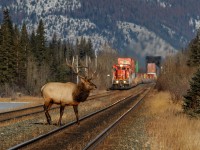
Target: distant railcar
[[152, 70]]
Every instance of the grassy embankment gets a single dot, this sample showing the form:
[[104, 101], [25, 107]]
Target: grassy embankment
[[169, 128]]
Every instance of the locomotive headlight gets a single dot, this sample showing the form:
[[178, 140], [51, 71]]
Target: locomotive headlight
[[117, 81], [124, 81]]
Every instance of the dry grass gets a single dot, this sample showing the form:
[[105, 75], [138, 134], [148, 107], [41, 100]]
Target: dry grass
[[175, 76], [169, 128]]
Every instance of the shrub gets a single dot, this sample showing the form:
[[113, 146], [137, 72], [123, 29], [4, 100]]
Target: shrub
[[175, 76], [192, 98]]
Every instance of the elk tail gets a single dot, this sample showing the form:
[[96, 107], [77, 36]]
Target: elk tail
[[42, 90]]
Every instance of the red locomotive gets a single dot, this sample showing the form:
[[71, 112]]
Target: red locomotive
[[123, 73]]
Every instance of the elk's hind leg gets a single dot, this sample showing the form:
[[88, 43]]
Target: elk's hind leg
[[47, 106]]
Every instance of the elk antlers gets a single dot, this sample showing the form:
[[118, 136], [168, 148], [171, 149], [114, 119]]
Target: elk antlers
[[77, 72]]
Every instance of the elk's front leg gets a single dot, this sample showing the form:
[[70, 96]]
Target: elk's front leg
[[76, 113], [47, 106]]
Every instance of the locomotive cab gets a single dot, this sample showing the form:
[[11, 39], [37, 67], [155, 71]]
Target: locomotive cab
[[123, 73], [121, 76]]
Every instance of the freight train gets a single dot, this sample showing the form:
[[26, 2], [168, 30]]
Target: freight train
[[124, 73]]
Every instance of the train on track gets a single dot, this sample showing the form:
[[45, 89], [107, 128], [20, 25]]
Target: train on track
[[125, 74]]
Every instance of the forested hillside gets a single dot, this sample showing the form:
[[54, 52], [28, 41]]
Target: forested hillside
[[36, 36], [27, 60]]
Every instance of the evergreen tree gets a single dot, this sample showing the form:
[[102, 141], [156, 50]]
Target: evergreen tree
[[85, 48], [82, 48], [52, 57], [2, 58], [77, 48], [1, 35], [89, 49], [41, 50], [23, 55], [8, 53], [60, 52], [192, 99], [33, 44], [16, 39], [194, 50], [69, 51], [32, 66]]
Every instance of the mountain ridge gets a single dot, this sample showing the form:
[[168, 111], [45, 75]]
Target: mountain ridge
[[166, 25]]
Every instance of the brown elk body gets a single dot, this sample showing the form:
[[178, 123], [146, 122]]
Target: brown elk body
[[65, 94]]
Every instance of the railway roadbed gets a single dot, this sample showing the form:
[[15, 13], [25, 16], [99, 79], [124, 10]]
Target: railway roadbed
[[128, 134], [28, 129]]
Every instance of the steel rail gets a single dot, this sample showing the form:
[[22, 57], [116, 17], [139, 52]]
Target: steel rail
[[34, 107], [31, 141], [27, 108], [24, 115], [99, 138]]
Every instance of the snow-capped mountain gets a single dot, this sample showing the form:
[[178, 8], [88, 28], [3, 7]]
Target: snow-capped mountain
[[152, 27]]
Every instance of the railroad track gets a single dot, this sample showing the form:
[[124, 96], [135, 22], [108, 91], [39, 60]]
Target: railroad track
[[101, 136], [19, 113], [115, 107]]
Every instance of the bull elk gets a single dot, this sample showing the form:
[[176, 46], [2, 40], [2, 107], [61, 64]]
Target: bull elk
[[66, 94]]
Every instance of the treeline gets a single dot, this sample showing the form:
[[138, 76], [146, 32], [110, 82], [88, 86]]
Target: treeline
[[27, 61], [181, 77]]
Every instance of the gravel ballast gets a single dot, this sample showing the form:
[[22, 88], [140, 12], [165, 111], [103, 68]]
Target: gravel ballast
[[18, 132]]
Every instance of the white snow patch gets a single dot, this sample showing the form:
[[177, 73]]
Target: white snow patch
[[195, 23], [161, 3], [170, 31], [148, 43]]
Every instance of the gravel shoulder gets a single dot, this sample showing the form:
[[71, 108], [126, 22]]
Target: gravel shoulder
[[158, 124], [130, 133], [18, 132]]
